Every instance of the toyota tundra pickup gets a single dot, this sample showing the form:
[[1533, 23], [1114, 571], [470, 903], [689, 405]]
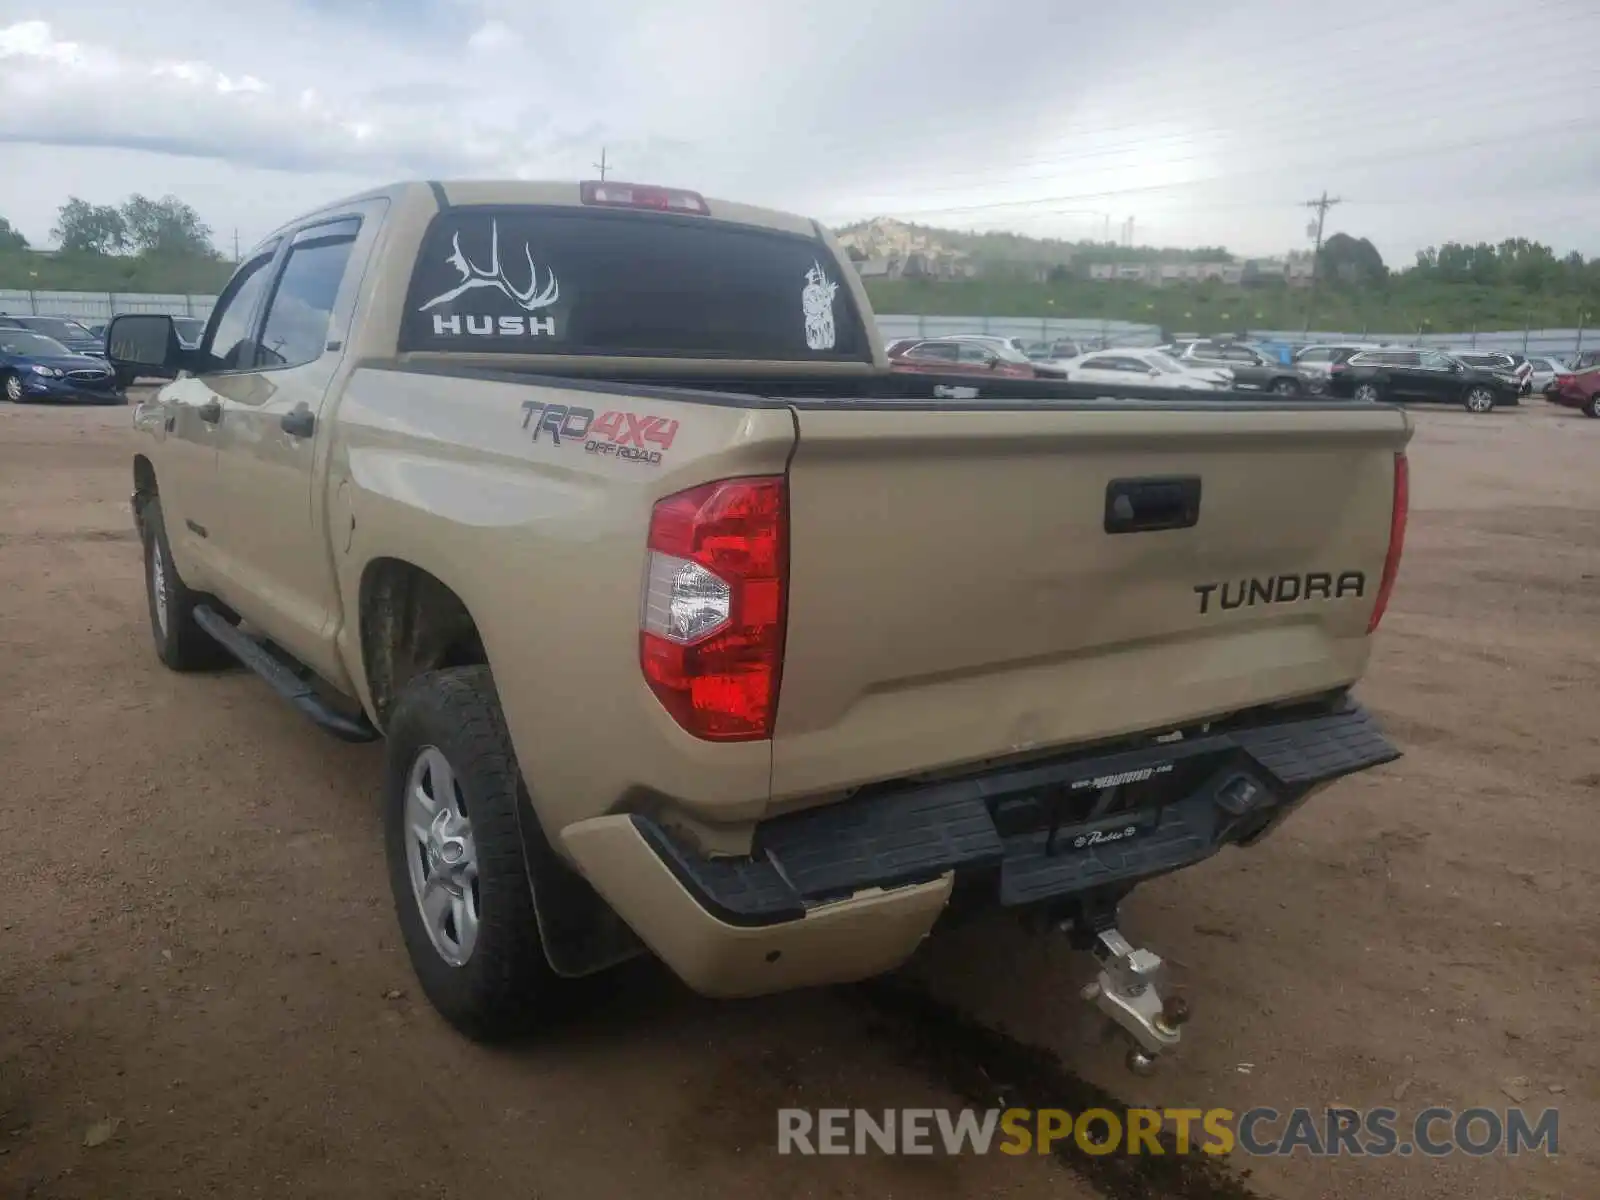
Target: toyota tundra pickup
[[693, 629]]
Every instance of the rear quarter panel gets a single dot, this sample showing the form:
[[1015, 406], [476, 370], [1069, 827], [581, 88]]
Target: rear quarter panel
[[545, 545]]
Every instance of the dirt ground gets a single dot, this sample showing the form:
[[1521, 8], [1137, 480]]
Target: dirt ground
[[199, 945]]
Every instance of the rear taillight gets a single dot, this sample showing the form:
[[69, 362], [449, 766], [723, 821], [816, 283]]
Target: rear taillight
[[712, 621], [1397, 538], [638, 195]]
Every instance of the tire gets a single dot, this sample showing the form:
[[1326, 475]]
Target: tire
[[483, 968], [180, 643], [1368, 393], [1286, 387], [12, 387], [1591, 406], [1478, 400]]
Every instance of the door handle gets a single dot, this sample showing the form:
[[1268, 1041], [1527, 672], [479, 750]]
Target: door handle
[[210, 412], [300, 422], [1148, 505]]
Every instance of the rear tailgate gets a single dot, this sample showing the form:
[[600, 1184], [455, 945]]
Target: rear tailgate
[[955, 595]]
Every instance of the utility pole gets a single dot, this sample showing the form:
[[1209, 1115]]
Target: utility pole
[[236, 245], [1322, 204], [601, 164]]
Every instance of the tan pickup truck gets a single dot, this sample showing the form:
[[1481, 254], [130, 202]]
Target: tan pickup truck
[[693, 629]]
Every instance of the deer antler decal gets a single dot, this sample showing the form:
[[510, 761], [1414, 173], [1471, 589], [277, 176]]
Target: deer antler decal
[[473, 276]]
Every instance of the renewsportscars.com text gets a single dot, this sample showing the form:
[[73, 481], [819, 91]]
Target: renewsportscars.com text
[[1317, 1133]]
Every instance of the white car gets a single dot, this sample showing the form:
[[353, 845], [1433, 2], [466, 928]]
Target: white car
[[1146, 368], [1545, 370]]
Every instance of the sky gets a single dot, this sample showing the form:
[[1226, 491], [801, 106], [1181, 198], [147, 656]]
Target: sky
[[1431, 120]]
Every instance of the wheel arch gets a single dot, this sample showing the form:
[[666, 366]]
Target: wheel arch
[[411, 622]]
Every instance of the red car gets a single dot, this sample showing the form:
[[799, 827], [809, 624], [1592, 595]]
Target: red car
[[957, 356], [1579, 390]]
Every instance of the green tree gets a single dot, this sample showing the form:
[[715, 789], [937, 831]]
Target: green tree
[[87, 228], [1351, 260], [165, 226], [10, 238]]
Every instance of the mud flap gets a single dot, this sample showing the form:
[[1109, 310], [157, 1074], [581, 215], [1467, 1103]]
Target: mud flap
[[582, 934]]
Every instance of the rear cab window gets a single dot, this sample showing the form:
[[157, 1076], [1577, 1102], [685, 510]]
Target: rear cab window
[[542, 281]]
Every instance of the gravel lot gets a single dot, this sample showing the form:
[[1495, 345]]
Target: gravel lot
[[199, 944]]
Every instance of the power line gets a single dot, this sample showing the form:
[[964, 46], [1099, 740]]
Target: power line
[[1179, 100], [1299, 132], [1404, 153]]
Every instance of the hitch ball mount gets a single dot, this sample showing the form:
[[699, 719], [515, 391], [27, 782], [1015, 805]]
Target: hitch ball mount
[[1128, 991]]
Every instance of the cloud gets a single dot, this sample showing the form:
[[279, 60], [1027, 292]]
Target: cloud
[[1025, 115]]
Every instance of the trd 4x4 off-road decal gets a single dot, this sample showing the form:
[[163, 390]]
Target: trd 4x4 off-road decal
[[625, 435]]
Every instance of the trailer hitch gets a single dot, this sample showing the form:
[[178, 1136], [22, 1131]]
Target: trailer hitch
[[1128, 990]]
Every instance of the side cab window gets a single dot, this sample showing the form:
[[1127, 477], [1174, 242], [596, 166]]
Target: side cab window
[[300, 309], [228, 343]]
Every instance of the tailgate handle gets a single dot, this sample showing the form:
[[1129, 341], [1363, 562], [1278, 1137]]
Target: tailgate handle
[[1146, 505]]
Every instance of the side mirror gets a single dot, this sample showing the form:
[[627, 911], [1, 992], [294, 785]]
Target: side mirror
[[994, 364], [145, 340], [1152, 372]]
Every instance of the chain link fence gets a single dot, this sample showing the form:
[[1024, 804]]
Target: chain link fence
[[95, 307]]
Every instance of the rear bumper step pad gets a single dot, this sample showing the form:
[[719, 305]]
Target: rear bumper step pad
[[1232, 786]]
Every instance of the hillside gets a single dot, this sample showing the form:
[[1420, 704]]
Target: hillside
[[1401, 306], [1454, 288], [883, 237], [22, 270]]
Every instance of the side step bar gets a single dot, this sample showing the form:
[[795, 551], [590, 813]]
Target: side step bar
[[281, 679]]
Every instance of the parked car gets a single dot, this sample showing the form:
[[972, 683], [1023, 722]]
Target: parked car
[[35, 367], [1315, 363], [1578, 389], [1586, 359], [1545, 369], [69, 333], [1252, 370], [761, 674], [959, 356], [1500, 361], [1012, 350], [1422, 375], [1151, 368], [1056, 351]]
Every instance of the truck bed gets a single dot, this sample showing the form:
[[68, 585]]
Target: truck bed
[[1045, 564]]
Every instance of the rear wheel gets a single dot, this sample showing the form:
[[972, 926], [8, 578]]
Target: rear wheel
[[1285, 387], [1479, 400], [1591, 406], [456, 866], [1368, 393]]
